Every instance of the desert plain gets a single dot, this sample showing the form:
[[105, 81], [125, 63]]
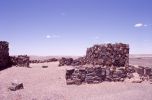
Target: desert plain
[[50, 84]]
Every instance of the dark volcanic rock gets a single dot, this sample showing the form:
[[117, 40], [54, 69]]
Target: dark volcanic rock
[[96, 74], [65, 61], [44, 66], [108, 55], [4, 54], [104, 54], [16, 86], [23, 61], [140, 70]]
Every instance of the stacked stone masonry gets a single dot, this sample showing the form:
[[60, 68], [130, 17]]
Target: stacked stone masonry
[[44, 61], [105, 55], [20, 60], [23, 60], [108, 55], [97, 74], [4, 54], [65, 61]]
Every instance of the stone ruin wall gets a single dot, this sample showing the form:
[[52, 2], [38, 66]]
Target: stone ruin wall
[[23, 60], [4, 54], [104, 54], [20, 60], [7, 61], [44, 61], [96, 74], [108, 55], [106, 62]]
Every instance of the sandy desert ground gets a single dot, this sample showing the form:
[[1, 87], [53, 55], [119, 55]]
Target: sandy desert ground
[[50, 84]]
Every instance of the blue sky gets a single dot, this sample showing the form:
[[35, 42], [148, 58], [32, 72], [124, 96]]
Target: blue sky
[[69, 27]]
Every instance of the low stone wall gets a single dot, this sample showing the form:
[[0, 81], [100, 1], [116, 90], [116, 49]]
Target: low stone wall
[[7, 61], [65, 61], [44, 61], [97, 74], [4, 54], [94, 74], [13, 61], [23, 61], [79, 61], [20, 60]]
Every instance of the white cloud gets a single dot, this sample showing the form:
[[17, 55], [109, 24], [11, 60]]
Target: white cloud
[[48, 36], [138, 25], [52, 36]]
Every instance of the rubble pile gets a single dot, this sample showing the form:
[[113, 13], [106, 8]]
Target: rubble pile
[[73, 62], [65, 61], [144, 72], [36, 61], [79, 61], [20, 60], [93, 74], [97, 74], [44, 61], [4, 54], [13, 60], [23, 60]]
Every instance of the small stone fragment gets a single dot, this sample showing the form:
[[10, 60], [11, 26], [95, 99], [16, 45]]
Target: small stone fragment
[[16, 86], [44, 66]]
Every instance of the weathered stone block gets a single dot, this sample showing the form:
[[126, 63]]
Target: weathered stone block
[[140, 70], [16, 86], [4, 54], [23, 61]]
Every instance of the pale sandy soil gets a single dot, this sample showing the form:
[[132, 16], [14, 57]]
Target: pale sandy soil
[[143, 61], [49, 57], [49, 84]]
